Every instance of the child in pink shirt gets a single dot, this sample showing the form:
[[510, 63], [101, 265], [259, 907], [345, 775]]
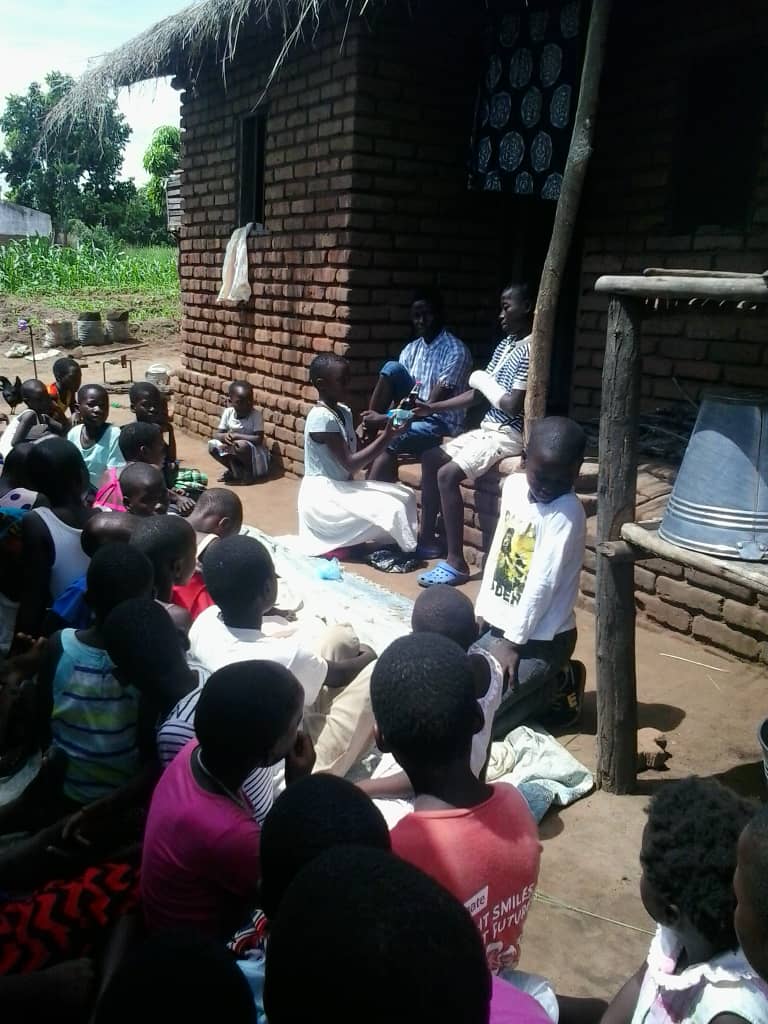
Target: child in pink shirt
[[200, 866], [479, 841]]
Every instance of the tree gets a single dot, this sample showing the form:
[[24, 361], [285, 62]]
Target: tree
[[161, 160], [73, 172]]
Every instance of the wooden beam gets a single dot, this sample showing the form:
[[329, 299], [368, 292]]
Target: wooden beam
[[732, 289], [673, 272], [618, 551], [567, 210], [615, 584]]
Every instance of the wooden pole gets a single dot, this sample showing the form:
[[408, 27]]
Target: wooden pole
[[565, 216], [615, 586]]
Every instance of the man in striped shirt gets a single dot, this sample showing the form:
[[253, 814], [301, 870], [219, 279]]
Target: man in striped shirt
[[438, 364], [470, 455]]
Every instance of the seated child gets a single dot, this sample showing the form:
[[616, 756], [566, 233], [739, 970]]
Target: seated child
[[695, 971], [16, 499], [470, 455], [200, 867], [150, 406], [14, 492], [169, 544], [181, 977], [240, 577], [91, 717], [218, 513], [335, 510], [97, 440], [238, 444], [138, 442], [52, 553], [71, 608], [35, 422], [531, 578], [144, 490], [469, 836], [382, 936], [67, 378], [750, 886], [443, 610]]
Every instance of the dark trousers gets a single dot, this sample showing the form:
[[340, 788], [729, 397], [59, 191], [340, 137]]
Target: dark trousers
[[532, 691]]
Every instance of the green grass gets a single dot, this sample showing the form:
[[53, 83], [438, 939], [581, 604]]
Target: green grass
[[91, 277]]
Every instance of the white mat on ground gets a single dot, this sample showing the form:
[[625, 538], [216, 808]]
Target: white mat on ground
[[377, 615], [541, 768]]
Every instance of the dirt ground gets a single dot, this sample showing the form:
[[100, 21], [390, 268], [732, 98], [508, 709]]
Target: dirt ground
[[158, 340], [587, 930]]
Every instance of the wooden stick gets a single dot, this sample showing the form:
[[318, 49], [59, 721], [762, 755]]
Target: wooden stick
[[618, 551], [707, 288], [574, 175], [615, 584]]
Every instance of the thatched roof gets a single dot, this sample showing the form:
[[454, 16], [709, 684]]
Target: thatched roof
[[178, 45]]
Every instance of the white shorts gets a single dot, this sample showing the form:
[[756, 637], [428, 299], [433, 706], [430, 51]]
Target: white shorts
[[479, 450]]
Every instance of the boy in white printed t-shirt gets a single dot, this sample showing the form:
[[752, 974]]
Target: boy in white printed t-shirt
[[531, 580], [238, 444]]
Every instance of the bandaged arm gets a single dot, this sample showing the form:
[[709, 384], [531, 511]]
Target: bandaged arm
[[488, 386]]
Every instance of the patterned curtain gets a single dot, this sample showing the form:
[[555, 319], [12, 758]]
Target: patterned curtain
[[527, 99]]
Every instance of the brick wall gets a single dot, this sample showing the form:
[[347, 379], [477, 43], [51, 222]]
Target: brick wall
[[366, 199], [642, 99]]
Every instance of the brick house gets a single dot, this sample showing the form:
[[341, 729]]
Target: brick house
[[353, 161]]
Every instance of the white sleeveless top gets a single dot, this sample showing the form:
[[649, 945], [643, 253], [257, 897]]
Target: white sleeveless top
[[726, 984], [69, 560]]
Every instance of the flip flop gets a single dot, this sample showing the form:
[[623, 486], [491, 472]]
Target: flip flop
[[443, 573]]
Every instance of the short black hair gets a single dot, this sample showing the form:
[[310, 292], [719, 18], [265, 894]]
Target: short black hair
[[434, 298], [14, 465], [755, 874], [445, 610], [164, 540], [383, 936], [236, 571], [222, 502], [56, 469], [135, 436], [244, 384], [138, 477], [423, 698], [183, 977], [63, 365], [141, 639], [689, 853], [520, 289], [106, 528], [143, 389], [243, 710], [92, 387], [32, 389], [311, 816], [559, 437], [116, 573], [322, 363]]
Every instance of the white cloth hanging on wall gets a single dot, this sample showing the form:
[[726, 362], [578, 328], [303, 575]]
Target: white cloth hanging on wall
[[235, 286]]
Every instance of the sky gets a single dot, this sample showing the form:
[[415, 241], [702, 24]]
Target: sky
[[38, 36]]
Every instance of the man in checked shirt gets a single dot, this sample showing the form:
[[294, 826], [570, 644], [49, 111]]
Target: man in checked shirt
[[438, 363]]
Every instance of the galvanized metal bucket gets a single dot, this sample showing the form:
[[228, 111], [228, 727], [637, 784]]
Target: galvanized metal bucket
[[719, 504]]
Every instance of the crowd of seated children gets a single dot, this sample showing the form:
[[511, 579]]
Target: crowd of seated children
[[164, 751], [336, 511], [35, 423], [238, 444]]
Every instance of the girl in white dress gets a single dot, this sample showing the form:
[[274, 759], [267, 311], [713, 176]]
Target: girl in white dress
[[335, 510]]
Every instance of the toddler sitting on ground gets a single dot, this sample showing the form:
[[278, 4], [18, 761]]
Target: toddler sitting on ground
[[238, 444], [695, 971]]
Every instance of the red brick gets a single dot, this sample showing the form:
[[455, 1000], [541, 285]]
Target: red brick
[[685, 594]]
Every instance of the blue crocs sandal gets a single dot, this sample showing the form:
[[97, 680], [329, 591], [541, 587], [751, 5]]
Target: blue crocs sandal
[[443, 573]]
